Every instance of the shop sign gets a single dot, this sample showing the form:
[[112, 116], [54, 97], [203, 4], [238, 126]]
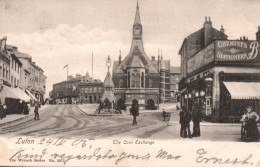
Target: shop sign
[[202, 58], [237, 51]]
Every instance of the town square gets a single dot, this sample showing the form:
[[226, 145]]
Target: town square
[[199, 83]]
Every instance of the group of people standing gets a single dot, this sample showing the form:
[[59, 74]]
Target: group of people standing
[[186, 117]]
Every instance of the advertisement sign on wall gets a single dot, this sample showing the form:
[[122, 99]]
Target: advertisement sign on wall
[[237, 51], [202, 58]]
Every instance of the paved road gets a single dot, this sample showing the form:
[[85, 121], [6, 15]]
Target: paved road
[[69, 121]]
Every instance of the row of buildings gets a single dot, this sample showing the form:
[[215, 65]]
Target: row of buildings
[[220, 77], [150, 81], [17, 70], [79, 89]]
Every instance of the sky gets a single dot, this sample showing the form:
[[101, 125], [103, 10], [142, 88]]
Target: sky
[[60, 32]]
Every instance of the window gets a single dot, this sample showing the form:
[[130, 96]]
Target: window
[[150, 82], [142, 80], [137, 80], [128, 80], [133, 80], [120, 83]]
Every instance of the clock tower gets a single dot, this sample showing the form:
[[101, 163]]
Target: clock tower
[[137, 27]]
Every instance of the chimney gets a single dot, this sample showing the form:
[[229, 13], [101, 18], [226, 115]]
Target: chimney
[[222, 29], [153, 58], [207, 31], [258, 34], [3, 46], [119, 59]]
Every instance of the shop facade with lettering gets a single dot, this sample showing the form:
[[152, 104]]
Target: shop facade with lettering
[[222, 79]]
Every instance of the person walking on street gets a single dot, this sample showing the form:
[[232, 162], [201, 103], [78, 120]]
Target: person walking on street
[[187, 122], [183, 132], [196, 119], [36, 112], [135, 112]]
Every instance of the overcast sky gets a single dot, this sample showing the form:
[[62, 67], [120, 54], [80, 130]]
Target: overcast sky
[[60, 32]]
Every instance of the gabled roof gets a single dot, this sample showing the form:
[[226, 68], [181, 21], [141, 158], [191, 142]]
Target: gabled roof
[[136, 62]]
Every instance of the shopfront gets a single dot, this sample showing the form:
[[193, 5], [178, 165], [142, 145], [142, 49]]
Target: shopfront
[[222, 79]]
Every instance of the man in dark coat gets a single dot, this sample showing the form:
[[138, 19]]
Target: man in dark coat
[[2, 111], [183, 132], [135, 113], [187, 122], [196, 118], [36, 111]]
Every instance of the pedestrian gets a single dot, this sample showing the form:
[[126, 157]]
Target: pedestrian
[[25, 108], [135, 113], [36, 112], [164, 115], [183, 132], [187, 122], [253, 118], [2, 111], [196, 119]]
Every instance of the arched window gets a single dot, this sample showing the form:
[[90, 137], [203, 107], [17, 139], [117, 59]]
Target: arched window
[[133, 80], [142, 80], [150, 82], [121, 83], [128, 80], [137, 80]]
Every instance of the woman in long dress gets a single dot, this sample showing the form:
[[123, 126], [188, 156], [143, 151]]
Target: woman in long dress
[[253, 118]]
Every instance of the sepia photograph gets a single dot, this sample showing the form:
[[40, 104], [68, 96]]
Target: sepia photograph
[[129, 83]]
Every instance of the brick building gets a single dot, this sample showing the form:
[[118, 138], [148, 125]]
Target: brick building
[[219, 77]]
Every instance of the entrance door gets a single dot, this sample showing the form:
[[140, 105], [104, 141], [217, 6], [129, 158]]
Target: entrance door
[[208, 106], [150, 104], [90, 99]]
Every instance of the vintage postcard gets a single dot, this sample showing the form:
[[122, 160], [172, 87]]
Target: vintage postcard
[[130, 83]]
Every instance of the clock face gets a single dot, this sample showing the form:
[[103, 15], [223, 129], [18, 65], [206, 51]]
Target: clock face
[[137, 31]]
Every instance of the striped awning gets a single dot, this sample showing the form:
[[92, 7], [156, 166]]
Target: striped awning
[[243, 90]]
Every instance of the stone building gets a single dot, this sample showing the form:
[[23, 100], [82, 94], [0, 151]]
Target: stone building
[[220, 77], [4, 62], [77, 89], [32, 78], [139, 78]]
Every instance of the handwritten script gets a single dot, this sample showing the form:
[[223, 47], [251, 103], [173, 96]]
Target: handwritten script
[[52, 151]]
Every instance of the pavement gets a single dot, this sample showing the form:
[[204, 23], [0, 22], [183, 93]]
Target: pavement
[[68, 121], [16, 117]]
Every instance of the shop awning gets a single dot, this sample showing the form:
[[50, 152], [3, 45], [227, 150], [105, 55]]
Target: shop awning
[[243, 90], [32, 96], [22, 95], [14, 93]]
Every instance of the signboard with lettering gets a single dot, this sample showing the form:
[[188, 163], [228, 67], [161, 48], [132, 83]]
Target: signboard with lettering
[[202, 58], [244, 51]]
